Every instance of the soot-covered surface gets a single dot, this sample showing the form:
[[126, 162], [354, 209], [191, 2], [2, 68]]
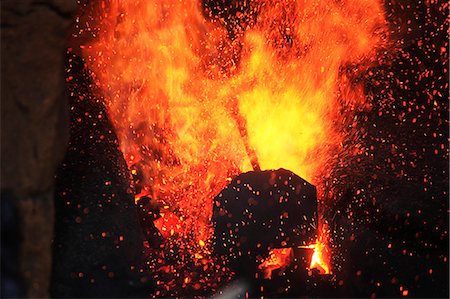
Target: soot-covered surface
[[262, 210], [98, 245]]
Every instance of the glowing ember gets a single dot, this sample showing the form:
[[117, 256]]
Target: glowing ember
[[278, 258], [169, 224]]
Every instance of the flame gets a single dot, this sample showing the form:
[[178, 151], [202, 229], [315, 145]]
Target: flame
[[319, 260], [175, 84], [197, 99], [282, 257], [278, 258], [169, 224]]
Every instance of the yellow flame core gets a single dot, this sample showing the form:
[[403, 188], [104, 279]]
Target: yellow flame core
[[174, 83], [318, 260]]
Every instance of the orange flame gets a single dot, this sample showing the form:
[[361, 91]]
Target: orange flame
[[195, 103], [169, 224], [319, 260], [278, 258]]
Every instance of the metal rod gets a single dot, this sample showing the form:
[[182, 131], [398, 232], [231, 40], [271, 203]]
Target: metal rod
[[242, 127]]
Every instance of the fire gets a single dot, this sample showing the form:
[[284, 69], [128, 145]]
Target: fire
[[197, 99], [318, 260], [278, 258], [169, 224]]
